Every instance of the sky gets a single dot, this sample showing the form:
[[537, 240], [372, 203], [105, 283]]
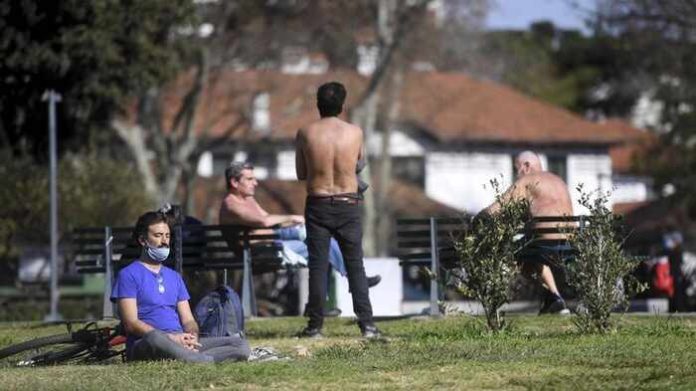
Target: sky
[[518, 14]]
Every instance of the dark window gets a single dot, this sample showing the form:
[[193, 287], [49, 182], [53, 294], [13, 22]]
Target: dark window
[[220, 163], [558, 164], [410, 169]]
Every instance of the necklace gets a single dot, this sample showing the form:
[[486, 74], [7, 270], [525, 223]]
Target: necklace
[[160, 283]]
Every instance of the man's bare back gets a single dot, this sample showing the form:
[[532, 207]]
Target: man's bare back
[[546, 192], [327, 153], [548, 196]]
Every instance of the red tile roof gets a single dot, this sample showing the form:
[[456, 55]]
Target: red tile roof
[[450, 107], [457, 107], [636, 142]]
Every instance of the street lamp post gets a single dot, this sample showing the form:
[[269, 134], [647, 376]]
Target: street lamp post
[[53, 97]]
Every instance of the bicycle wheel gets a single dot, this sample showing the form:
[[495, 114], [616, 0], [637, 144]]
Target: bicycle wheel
[[43, 351]]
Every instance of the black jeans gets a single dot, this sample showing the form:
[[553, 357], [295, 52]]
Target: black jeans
[[337, 216]]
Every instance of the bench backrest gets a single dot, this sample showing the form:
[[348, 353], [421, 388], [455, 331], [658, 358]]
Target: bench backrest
[[418, 238], [223, 247], [199, 247]]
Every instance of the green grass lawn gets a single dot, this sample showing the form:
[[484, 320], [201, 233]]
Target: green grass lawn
[[646, 352]]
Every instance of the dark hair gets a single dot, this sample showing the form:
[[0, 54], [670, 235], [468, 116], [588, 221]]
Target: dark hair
[[330, 98], [234, 170], [145, 221]]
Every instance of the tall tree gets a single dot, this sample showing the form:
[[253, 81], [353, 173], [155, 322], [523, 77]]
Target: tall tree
[[394, 20], [94, 53], [660, 36]]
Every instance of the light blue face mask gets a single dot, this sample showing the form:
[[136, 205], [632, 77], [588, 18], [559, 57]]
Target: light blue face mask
[[157, 254]]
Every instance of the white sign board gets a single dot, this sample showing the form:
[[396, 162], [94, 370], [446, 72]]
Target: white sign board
[[385, 297]]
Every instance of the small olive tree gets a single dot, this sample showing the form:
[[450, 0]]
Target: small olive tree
[[486, 253], [601, 272]]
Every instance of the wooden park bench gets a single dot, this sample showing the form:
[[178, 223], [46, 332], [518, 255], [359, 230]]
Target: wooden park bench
[[429, 242], [200, 247]]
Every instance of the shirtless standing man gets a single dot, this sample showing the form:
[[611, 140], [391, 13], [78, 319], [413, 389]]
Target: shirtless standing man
[[548, 196], [327, 152], [240, 207]]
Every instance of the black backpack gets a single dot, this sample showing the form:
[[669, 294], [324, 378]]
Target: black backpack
[[220, 313]]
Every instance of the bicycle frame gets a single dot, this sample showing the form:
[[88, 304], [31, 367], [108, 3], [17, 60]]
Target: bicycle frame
[[88, 345]]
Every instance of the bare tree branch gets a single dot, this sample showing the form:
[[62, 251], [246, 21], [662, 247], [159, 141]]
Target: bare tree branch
[[133, 136], [402, 17]]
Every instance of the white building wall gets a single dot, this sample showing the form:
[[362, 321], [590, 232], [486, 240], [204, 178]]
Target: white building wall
[[400, 144], [205, 165], [286, 165], [593, 171], [630, 189], [462, 180]]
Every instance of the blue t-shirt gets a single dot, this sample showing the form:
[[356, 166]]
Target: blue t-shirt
[[156, 295]]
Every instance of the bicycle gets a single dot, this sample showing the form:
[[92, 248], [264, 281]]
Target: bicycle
[[88, 345]]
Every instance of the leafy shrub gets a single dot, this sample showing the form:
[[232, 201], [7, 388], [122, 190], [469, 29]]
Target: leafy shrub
[[601, 272], [486, 255]]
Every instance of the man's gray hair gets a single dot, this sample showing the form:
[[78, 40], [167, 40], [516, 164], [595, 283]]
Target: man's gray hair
[[234, 170]]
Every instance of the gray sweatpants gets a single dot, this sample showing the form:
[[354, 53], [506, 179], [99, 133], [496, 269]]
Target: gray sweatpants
[[155, 345]]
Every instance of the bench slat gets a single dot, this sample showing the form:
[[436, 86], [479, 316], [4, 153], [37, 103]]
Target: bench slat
[[90, 270], [550, 230], [413, 244], [426, 221], [425, 233], [552, 219]]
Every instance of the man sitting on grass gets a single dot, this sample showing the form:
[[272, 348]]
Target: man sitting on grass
[[154, 309]]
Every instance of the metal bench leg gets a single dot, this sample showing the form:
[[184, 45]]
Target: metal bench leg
[[107, 305], [248, 297], [435, 268]]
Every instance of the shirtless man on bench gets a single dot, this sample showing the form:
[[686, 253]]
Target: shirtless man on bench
[[548, 196]]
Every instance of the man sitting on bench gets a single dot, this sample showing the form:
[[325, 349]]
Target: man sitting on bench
[[154, 309], [548, 196], [240, 207]]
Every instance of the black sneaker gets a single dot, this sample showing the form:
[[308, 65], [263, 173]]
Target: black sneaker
[[371, 332], [310, 332], [374, 280], [554, 305]]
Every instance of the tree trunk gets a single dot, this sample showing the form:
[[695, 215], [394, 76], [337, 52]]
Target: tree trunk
[[385, 216], [366, 116], [133, 136]]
